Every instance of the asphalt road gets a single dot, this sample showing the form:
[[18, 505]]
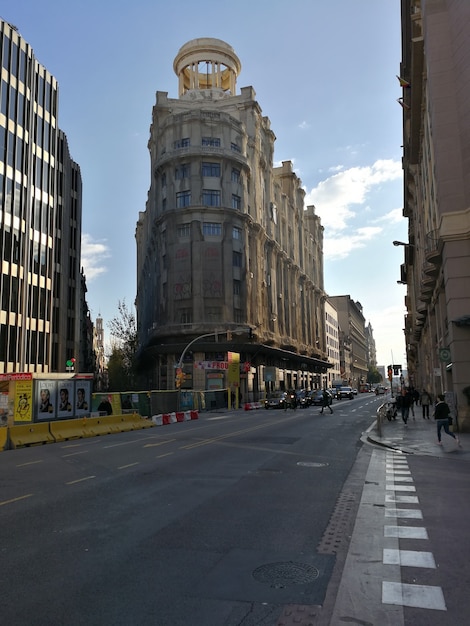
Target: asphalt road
[[221, 521]]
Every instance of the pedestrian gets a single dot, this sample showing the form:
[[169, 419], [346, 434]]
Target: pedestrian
[[426, 401], [406, 402], [443, 419], [326, 401]]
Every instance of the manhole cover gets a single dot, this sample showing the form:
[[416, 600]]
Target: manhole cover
[[279, 575], [311, 464]]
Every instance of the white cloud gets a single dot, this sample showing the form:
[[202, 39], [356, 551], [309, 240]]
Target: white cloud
[[339, 247], [94, 254], [334, 197], [304, 125]]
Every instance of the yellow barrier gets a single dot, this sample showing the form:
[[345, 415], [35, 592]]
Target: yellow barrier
[[29, 435], [63, 430], [3, 437]]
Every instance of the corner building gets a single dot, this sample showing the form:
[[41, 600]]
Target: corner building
[[40, 218], [225, 247]]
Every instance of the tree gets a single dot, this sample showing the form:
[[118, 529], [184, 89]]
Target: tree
[[122, 361], [374, 376]]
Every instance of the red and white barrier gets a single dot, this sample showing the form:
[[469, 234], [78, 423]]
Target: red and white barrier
[[163, 419], [250, 406]]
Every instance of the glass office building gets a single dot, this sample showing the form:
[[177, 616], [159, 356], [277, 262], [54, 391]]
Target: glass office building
[[40, 218]]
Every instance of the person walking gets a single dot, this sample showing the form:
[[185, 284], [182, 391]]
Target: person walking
[[425, 400], [406, 401], [443, 419], [326, 401]]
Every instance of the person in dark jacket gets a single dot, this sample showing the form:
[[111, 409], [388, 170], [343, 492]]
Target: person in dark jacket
[[326, 401], [441, 415], [406, 402]]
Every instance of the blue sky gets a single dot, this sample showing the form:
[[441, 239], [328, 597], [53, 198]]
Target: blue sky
[[324, 72]]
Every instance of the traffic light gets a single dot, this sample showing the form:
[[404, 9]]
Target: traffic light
[[390, 373], [70, 364]]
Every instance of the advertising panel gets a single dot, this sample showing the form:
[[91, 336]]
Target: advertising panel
[[46, 399], [23, 404], [82, 397], [65, 399]]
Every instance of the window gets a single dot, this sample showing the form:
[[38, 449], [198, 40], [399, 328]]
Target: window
[[237, 259], [236, 233], [235, 147], [211, 169], [186, 316], [211, 228], [182, 143], [236, 202], [184, 230], [183, 198], [214, 142], [182, 171], [210, 197], [213, 313], [237, 288], [235, 175]]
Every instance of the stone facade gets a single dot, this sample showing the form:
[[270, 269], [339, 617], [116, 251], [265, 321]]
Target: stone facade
[[436, 117], [225, 244]]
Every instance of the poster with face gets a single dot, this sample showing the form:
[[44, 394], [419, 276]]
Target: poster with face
[[45, 399], [64, 398], [82, 397]]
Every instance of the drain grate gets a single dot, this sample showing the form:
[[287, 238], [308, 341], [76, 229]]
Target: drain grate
[[280, 575], [340, 525]]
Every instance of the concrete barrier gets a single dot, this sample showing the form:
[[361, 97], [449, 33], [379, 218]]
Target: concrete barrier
[[22, 435], [3, 437], [163, 419], [133, 421], [64, 430], [250, 406]]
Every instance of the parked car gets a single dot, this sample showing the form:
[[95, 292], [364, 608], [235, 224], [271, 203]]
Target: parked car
[[345, 392], [275, 400]]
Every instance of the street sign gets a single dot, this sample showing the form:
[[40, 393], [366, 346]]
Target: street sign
[[444, 355]]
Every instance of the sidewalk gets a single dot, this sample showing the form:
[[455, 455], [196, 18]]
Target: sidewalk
[[418, 437]]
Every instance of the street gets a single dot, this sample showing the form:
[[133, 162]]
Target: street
[[178, 524], [237, 518]]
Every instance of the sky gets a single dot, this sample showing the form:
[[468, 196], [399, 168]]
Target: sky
[[324, 73]]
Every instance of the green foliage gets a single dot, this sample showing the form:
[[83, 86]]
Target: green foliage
[[122, 361], [373, 376]]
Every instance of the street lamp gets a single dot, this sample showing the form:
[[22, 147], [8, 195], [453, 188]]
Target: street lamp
[[401, 243]]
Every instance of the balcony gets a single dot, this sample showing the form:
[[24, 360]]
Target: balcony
[[433, 247]]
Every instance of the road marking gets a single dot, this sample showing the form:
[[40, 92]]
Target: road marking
[[28, 495], [30, 463], [80, 480], [408, 558], [65, 456], [160, 443], [394, 487], [393, 498], [398, 479], [406, 532], [406, 513], [420, 596], [160, 456], [128, 465]]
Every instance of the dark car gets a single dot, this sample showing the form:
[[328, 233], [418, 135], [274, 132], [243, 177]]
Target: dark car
[[275, 400], [316, 397], [345, 392], [303, 399]]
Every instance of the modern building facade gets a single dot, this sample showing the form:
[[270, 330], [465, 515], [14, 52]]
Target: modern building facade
[[333, 344], [227, 254], [353, 343], [40, 218], [435, 77]]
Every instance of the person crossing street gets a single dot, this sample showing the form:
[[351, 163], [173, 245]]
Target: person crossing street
[[326, 401]]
